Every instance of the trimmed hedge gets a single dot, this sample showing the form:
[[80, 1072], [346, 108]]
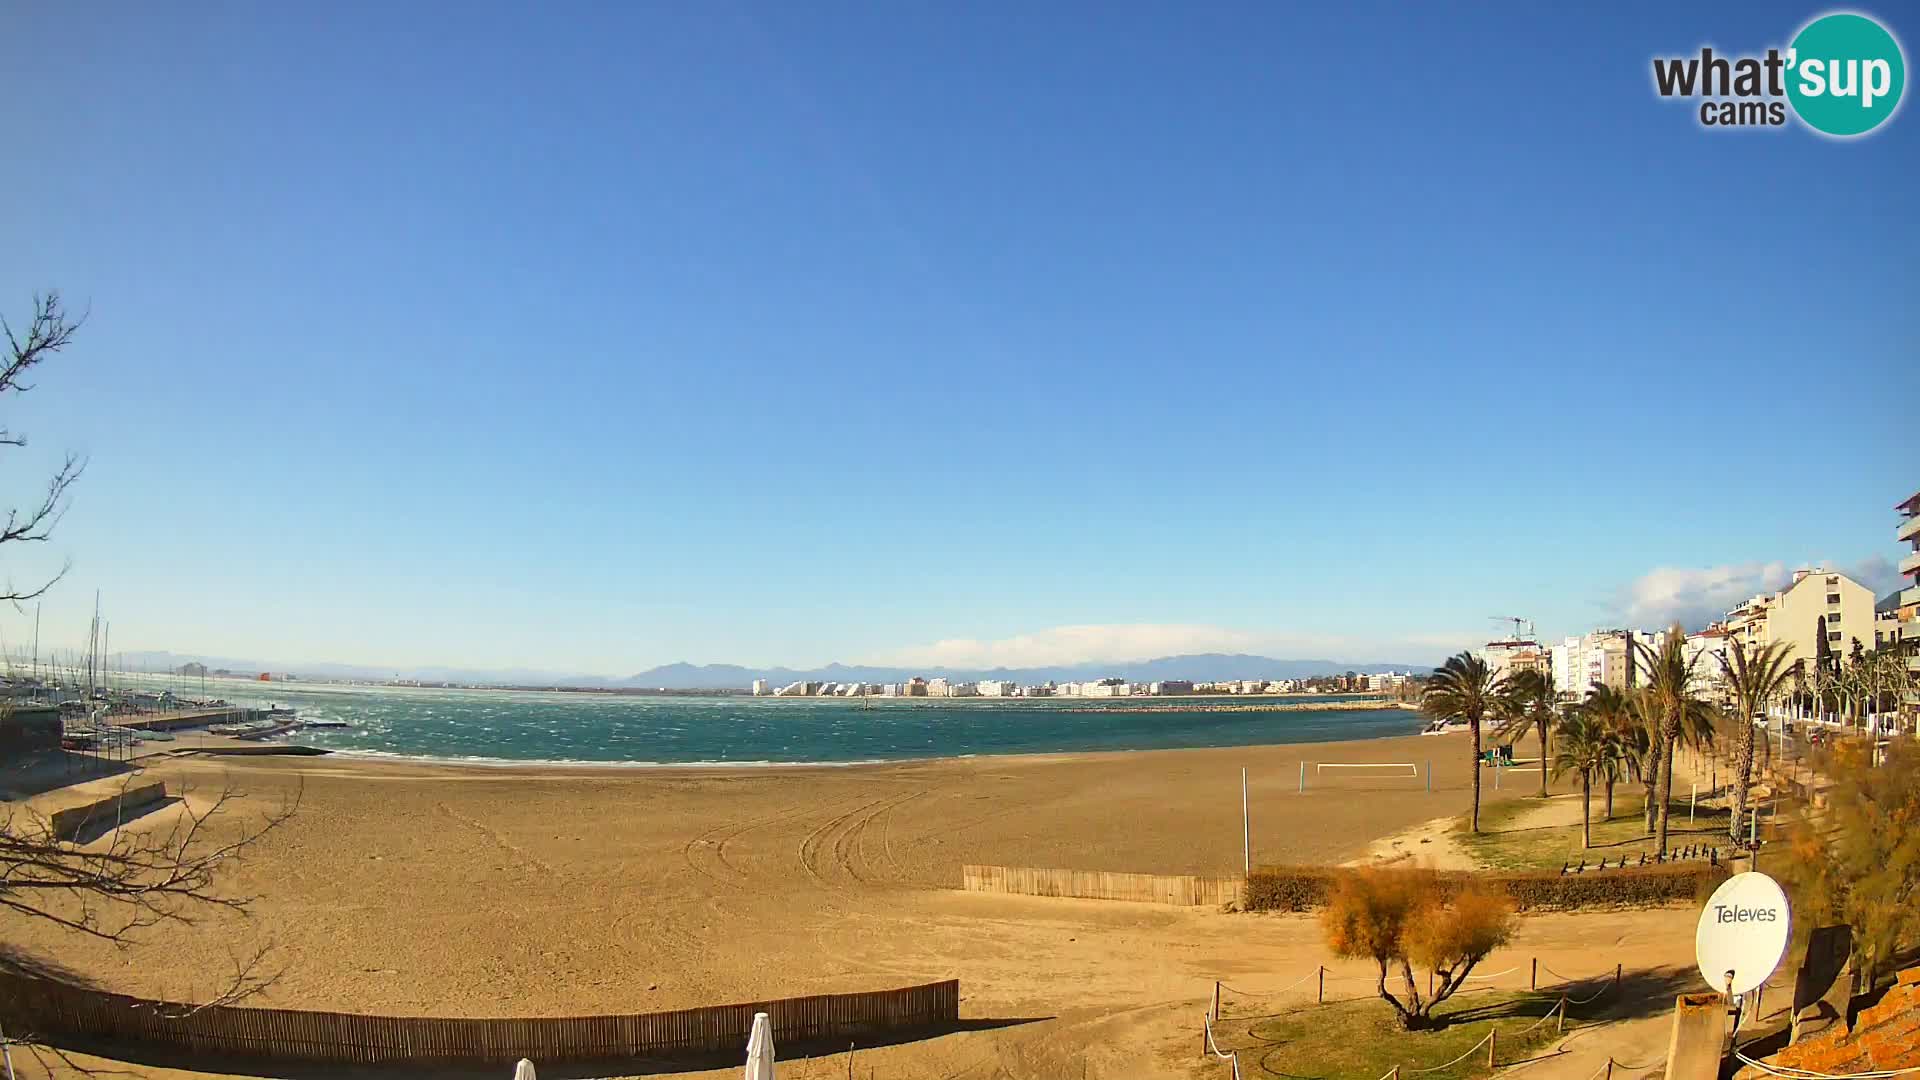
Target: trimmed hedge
[[1303, 888]]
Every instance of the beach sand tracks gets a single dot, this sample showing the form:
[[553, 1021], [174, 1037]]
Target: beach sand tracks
[[518, 852], [706, 854], [841, 838]]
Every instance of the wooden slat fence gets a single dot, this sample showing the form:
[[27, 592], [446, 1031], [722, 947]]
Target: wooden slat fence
[[1183, 889], [54, 1010]]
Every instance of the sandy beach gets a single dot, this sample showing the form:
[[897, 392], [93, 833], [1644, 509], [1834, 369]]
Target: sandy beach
[[443, 890]]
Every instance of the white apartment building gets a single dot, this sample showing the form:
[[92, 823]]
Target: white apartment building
[[1818, 605], [1709, 652], [1600, 657], [995, 688], [1901, 612], [759, 688], [936, 688]]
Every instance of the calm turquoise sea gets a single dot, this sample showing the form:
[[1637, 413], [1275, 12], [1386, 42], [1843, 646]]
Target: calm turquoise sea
[[513, 726]]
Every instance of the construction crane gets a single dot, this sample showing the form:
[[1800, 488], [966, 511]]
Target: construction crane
[[1519, 634]]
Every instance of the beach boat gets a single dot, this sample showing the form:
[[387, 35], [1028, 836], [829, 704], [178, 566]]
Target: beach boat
[[1444, 727]]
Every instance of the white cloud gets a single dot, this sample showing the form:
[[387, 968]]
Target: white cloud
[[1121, 642], [1693, 597], [1876, 572]]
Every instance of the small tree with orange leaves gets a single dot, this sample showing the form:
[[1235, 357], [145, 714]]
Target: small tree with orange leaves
[[1406, 919]]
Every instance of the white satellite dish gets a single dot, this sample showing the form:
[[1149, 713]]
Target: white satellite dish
[[1743, 933]]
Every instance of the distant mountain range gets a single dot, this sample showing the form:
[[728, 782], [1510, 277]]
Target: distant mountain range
[[1200, 667]]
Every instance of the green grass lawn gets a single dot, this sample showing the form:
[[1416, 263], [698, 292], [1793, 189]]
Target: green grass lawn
[[1504, 843], [1363, 1039]]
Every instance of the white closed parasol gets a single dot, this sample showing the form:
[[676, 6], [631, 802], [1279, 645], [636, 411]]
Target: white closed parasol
[[760, 1049], [524, 1070]]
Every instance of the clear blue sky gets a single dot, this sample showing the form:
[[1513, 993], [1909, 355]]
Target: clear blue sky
[[593, 337]]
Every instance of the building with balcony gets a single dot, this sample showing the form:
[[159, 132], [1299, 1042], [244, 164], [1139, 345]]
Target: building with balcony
[[1600, 658], [1819, 606], [1900, 612]]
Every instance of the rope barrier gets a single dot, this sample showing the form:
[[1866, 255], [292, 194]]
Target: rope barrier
[[1272, 993], [1495, 975], [1558, 1007], [1232, 1058], [1807, 1074], [1597, 995], [1470, 1052], [1564, 978]]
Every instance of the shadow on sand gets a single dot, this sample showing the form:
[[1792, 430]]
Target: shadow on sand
[[203, 1061]]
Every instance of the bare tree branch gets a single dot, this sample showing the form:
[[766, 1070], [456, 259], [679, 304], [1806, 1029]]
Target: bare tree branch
[[49, 332], [136, 879]]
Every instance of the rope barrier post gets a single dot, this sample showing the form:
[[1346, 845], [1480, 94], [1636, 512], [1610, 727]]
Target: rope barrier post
[[1320, 995], [1609, 1069], [1303, 777], [1214, 1014], [1560, 1022], [1493, 1042], [1616, 975], [1429, 776], [1533, 981]]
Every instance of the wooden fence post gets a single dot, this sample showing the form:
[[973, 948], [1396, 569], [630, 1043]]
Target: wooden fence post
[[1320, 995], [1560, 1022], [1215, 1013], [1493, 1042], [1533, 980]]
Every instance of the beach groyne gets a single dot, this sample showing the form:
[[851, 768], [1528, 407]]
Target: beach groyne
[[1185, 890], [62, 1014], [130, 801], [187, 718]]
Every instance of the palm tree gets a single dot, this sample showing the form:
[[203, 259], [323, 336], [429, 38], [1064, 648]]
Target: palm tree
[[1672, 685], [1755, 680], [1528, 703], [1590, 748], [1465, 689], [1644, 744], [1612, 709]]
